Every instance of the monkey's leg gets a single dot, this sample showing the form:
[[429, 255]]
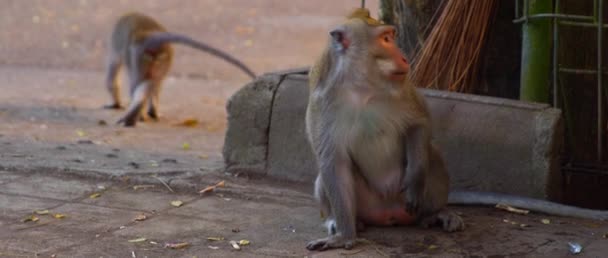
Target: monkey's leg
[[338, 186], [154, 101], [434, 211], [113, 66], [140, 96]]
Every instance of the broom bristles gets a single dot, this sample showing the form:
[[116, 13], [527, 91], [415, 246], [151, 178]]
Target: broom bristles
[[449, 57]]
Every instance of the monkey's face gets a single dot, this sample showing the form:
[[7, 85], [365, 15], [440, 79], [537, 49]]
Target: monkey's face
[[388, 57]]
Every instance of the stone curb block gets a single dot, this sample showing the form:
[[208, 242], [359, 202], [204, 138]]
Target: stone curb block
[[488, 143]]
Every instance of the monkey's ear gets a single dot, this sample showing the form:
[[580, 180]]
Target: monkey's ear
[[339, 38]]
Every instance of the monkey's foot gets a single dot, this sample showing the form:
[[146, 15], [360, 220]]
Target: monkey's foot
[[449, 221], [335, 241], [153, 115], [113, 106]]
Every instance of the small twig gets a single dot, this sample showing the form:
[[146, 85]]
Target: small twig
[[165, 184]]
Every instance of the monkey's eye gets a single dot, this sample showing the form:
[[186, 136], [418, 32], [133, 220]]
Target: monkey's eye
[[387, 38]]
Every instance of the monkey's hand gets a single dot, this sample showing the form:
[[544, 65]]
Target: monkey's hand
[[334, 241], [413, 197]]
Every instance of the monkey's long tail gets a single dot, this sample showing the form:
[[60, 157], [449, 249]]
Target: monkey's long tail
[[156, 39], [489, 198]]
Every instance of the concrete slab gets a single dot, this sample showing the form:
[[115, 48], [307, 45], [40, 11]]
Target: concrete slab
[[93, 219], [6, 177], [49, 187], [488, 143], [16, 207], [34, 241], [143, 200]]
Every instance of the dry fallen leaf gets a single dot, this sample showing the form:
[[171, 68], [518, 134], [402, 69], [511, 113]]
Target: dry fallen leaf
[[545, 221], [42, 212], [185, 146], [80, 133], [512, 209], [244, 242], [31, 218], [176, 245], [190, 122], [204, 156], [211, 188], [432, 247], [140, 217], [137, 240], [59, 216], [215, 238], [177, 203], [137, 187], [213, 247], [235, 245], [94, 195]]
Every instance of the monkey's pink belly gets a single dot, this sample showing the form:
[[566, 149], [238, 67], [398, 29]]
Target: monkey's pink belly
[[387, 217]]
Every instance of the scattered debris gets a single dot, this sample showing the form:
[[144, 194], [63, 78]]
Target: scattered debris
[[80, 133], [177, 203], [134, 165], [290, 228], [122, 227], [111, 155], [173, 161], [140, 217], [215, 238], [244, 242], [85, 142], [236, 230], [58, 216], [60, 147], [235, 245], [575, 248], [137, 240], [203, 156], [137, 187], [511, 209], [213, 247], [165, 184], [154, 243], [185, 146], [31, 218], [350, 252], [191, 122], [432, 247], [545, 221], [212, 188], [177, 245], [133, 254], [94, 195], [42, 212], [77, 160], [102, 122], [153, 163]]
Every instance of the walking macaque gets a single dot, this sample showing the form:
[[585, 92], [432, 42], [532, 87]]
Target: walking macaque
[[371, 135], [143, 46]]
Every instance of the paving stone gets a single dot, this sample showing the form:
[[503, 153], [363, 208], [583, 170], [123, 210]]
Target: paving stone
[[89, 218], [32, 241], [16, 207], [145, 200], [49, 187], [6, 177]]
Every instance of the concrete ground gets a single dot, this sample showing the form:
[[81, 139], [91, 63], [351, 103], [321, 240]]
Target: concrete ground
[[58, 148]]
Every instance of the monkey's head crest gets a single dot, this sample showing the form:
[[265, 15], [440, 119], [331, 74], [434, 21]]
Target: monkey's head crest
[[363, 14]]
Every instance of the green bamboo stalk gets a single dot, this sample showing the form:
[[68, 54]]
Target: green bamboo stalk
[[536, 53]]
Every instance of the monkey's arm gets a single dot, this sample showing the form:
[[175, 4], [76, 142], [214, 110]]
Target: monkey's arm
[[156, 39], [417, 149], [489, 198]]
